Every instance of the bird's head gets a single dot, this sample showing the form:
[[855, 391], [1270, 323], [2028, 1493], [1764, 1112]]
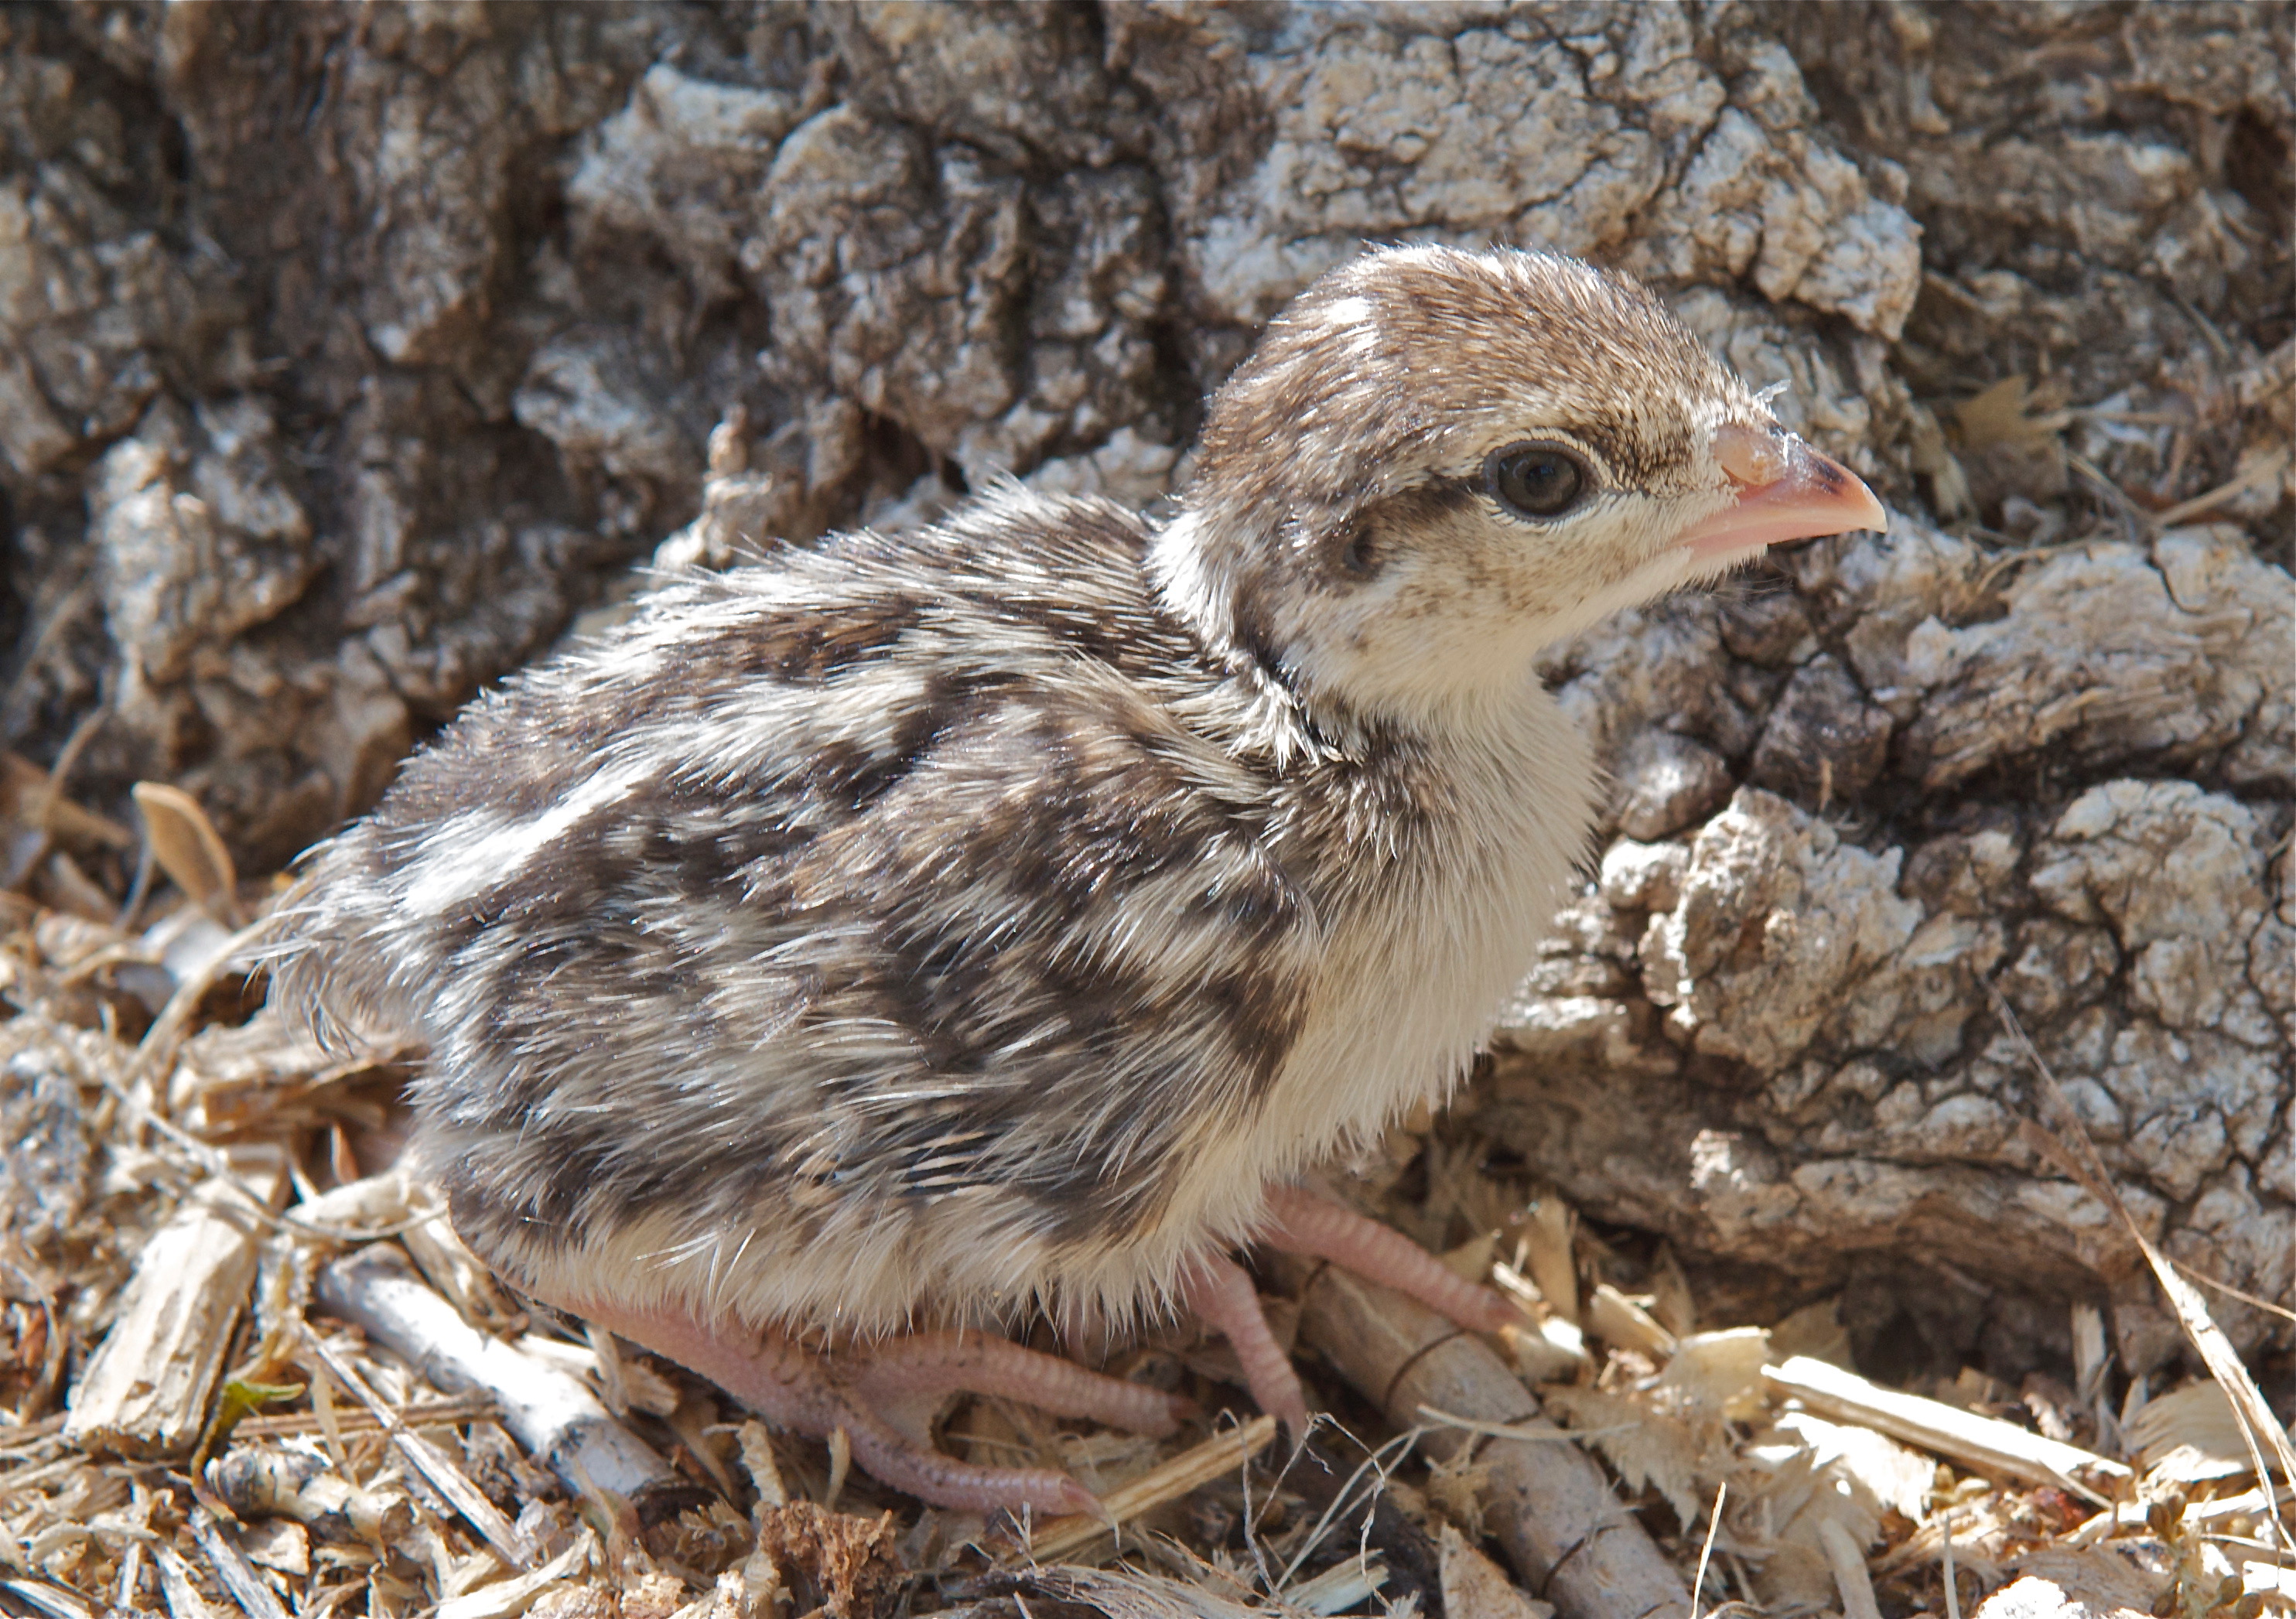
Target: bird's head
[[1438, 462]]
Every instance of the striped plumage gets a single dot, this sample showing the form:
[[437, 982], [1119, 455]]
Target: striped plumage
[[919, 930]]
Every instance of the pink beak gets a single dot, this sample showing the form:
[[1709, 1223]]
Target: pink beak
[[1786, 491]]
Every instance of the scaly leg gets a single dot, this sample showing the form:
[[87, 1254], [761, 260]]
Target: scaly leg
[[1302, 1223], [883, 1395], [1219, 1293]]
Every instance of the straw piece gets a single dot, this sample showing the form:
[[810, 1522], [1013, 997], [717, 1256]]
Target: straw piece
[[1190, 1470]]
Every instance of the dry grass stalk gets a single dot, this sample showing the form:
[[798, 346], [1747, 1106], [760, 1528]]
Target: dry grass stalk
[[1189, 1470], [433, 1464], [2259, 470]]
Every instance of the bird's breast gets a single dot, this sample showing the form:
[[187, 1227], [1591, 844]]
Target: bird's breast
[[1416, 968]]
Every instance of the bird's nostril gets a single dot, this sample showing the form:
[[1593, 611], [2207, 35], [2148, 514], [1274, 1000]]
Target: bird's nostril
[[1752, 456]]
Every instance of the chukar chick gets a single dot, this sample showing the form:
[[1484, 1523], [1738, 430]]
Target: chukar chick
[[875, 946]]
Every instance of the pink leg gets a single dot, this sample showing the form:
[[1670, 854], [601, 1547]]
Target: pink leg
[[793, 1387], [1218, 1292], [927, 1366], [1302, 1223]]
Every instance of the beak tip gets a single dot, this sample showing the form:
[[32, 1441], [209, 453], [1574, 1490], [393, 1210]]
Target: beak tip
[[1797, 495]]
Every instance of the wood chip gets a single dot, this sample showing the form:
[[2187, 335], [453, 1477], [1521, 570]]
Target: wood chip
[[45, 1597], [2190, 1434], [1343, 1585], [145, 1392], [233, 1571], [1847, 1560], [504, 1599], [764, 1469], [1548, 1229], [1982, 1442], [1190, 1470], [1476, 1588], [1615, 1319], [182, 1597]]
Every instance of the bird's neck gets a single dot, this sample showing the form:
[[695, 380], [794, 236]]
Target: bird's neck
[[1197, 571], [1203, 576]]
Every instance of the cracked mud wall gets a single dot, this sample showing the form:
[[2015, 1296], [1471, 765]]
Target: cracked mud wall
[[347, 355]]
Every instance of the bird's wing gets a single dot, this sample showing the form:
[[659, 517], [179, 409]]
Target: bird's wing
[[813, 889]]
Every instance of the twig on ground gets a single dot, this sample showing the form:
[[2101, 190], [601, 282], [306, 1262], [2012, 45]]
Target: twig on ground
[[552, 1415], [436, 1467], [1566, 1533], [1706, 1550]]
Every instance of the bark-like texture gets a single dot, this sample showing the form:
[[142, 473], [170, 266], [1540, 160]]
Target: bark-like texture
[[346, 353]]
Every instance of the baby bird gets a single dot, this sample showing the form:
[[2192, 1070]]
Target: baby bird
[[856, 953]]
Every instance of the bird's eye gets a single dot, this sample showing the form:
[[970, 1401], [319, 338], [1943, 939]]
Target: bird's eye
[[1537, 480]]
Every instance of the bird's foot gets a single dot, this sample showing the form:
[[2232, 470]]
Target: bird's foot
[[883, 1397], [1218, 1292]]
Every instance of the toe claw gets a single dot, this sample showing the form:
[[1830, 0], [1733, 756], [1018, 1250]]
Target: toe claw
[[1081, 1502]]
